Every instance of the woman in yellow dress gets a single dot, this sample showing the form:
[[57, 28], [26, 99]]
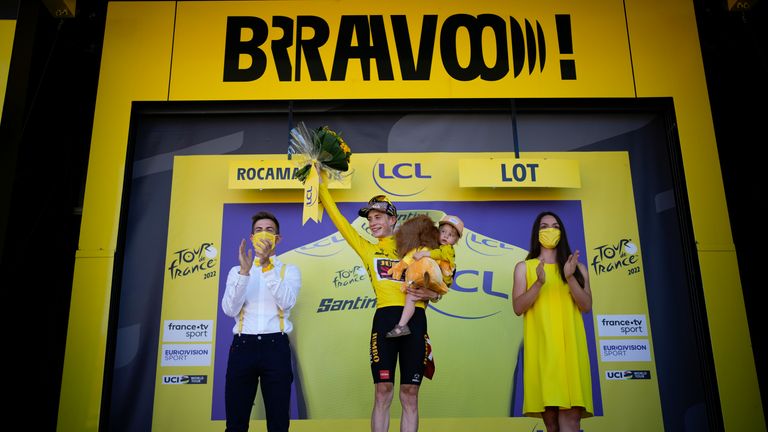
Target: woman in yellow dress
[[551, 290]]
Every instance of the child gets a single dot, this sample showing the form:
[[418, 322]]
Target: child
[[450, 231]]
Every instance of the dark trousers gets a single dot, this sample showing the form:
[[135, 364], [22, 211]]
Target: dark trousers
[[265, 357]]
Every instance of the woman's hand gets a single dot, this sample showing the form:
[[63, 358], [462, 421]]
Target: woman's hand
[[540, 274], [570, 265]]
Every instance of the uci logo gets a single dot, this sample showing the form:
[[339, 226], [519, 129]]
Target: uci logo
[[175, 379], [400, 179], [476, 287], [324, 247], [487, 246], [618, 375]]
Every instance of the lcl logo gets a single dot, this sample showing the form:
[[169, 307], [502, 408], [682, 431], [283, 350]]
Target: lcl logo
[[324, 247], [310, 197], [390, 177], [473, 281], [487, 246]]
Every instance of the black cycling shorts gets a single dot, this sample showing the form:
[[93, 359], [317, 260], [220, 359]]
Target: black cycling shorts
[[411, 349]]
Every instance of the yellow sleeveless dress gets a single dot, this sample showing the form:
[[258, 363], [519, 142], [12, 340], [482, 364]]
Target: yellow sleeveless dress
[[555, 355]]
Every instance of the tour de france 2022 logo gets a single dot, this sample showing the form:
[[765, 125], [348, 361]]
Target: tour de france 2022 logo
[[194, 260], [622, 255], [346, 281]]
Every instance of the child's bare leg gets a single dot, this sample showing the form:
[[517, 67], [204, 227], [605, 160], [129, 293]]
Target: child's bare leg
[[401, 329], [408, 310]]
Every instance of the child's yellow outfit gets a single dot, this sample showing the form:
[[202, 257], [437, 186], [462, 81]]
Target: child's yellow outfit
[[446, 259], [444, 256], [436, 285]]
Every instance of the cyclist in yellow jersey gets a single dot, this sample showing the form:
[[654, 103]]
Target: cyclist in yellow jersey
[[378, 258]]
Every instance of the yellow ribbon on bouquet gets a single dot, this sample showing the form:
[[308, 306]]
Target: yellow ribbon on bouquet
[[319, 149], [313, 209]]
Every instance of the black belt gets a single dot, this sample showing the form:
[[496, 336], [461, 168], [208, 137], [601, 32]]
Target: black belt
[[261, 336]]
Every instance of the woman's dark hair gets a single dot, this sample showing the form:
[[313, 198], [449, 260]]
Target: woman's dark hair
[[563, 249], [265, 215]]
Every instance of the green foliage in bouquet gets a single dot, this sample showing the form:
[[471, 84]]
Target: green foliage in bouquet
[[320, 145]]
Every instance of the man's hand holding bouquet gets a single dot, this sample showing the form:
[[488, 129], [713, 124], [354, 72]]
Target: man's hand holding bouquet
[[321, 148]]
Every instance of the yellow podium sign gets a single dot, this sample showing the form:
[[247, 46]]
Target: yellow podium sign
[[272, 174], [519, 173]]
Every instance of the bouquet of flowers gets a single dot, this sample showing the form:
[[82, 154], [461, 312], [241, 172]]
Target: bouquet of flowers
[[322, 146]]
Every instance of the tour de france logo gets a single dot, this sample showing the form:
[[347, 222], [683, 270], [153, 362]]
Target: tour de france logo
[[349, 276], [622, 255], [194, 260]]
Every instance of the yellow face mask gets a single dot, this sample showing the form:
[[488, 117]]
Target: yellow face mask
[[262, 235], [549, 237]]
